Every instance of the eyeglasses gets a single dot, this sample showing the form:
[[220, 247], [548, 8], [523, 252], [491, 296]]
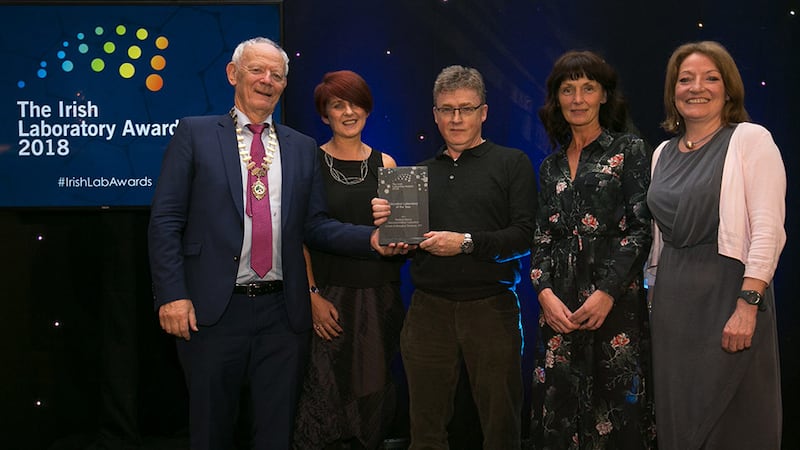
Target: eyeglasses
[[259, 72], [450, 111]]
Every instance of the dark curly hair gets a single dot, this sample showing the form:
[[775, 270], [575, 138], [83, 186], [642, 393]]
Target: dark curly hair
[[573, 65]]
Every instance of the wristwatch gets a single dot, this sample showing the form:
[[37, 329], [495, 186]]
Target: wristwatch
[[753, 298], [313, 289], [466, 245]]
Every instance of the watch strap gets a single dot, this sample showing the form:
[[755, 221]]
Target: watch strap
[[753, 297]]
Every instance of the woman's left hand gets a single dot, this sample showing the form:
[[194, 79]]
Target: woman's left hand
[[593, 312], [738, 332], [325, 317]]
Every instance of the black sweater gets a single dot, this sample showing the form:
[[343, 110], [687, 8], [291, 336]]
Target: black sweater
[[490, 192]]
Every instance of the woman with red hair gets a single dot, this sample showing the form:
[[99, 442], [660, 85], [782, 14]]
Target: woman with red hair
[[348, 398]]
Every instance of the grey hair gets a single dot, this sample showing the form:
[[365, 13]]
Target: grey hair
[[455, 77], [237, 53]]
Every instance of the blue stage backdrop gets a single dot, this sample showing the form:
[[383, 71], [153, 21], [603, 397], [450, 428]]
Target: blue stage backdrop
[[90, 100], [84, 357], [399, 48]]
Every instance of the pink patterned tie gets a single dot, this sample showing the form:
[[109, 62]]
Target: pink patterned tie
[[258, 208]]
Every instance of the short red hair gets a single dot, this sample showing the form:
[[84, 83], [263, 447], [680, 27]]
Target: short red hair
[[345, 84]]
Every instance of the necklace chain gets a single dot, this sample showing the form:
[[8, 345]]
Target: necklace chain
[[244, 153], [337, 175], [692, 144]]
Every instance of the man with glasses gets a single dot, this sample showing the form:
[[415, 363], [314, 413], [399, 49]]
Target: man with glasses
[[482, 203]]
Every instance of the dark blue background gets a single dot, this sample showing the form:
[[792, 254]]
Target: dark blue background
[[201, 40], [108, 372], [399, 47]]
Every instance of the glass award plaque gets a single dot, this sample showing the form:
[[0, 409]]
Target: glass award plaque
[[406, 189]]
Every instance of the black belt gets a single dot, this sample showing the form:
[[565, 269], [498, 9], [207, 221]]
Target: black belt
[[259, 288]]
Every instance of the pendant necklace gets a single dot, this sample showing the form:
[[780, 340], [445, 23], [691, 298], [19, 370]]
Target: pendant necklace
[[692, 144], [258, 188]]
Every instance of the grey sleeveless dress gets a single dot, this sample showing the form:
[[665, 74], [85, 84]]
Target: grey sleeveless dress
[[705, 397]]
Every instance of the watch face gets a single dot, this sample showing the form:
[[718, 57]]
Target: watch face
[[751, 297], [467, 245]]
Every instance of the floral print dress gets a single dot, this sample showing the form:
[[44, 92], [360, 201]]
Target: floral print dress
[[590, 387]]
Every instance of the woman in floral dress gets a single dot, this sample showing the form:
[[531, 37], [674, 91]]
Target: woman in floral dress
[[593, 234]]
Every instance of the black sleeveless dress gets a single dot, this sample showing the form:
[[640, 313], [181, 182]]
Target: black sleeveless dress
[[348, 393]]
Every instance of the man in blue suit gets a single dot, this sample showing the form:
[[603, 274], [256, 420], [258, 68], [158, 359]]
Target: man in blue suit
[[238, 325]]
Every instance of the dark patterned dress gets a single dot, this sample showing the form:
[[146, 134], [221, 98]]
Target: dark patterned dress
[[590, 388], [348, 394]]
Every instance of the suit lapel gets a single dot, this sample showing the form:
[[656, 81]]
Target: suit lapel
[[226, 135], [289, 166]]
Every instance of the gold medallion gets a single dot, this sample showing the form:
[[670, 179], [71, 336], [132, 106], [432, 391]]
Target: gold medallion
[[259, 190]]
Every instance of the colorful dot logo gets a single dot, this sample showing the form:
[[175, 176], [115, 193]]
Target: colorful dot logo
[[122, 51]]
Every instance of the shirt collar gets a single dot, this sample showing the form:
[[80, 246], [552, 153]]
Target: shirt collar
[[605, 140], [242, 119], [477, 151]]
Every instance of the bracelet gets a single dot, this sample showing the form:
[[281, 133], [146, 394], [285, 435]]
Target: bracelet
[[313, 289]]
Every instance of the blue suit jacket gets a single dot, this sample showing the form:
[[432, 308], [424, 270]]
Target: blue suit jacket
[[197, 225]]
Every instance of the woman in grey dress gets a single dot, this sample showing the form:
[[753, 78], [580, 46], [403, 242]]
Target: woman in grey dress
[[717, 197]]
